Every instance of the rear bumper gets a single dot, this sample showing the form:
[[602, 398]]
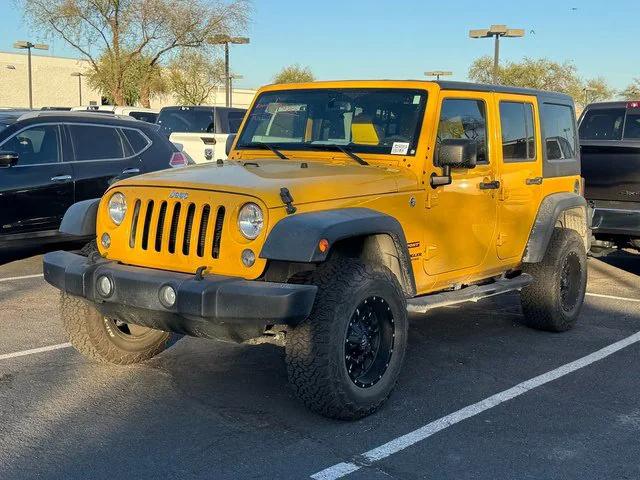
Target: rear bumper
[[225, 308], [614, 221]]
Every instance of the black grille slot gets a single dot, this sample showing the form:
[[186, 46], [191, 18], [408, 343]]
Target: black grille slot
[[161, 216], [202, 234], [217, 233], [174, 227], [134, 224], [147, 224], [188, 226]]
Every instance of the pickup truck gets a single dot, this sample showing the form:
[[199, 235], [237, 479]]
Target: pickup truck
[[610, 146], [200, 132]]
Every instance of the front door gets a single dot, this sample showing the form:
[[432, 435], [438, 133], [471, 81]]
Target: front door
[[461, 217], [520, 173], [37, 191]]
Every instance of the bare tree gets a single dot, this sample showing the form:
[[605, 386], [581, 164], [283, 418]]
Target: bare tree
[[193, 76], [128, 32]]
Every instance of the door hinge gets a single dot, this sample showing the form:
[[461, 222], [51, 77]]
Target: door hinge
[[430, 252], [431, 200], [502, 239]]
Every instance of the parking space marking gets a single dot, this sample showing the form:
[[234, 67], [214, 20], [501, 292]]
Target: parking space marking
[[34, 350], [613, 297], [24, 277], [398, 444]]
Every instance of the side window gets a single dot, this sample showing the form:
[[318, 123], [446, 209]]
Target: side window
[[148, 117], [235, 119], [518, 136], [136, 139], [35, 145], [462, 118], [559, 131], [93, 142], [632, 126]]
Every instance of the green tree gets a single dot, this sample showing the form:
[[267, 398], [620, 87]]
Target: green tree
[[543, 74], [632, 92], [294, 74], [193, 76], [122, 36]]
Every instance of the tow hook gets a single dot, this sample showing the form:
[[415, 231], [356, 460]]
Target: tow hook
[[287, 199]]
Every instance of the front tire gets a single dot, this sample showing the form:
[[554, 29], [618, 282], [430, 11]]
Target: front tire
[[344, 360], [554, 300]]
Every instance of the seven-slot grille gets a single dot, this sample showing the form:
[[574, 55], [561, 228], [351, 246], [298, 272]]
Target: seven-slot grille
[[183, 228]]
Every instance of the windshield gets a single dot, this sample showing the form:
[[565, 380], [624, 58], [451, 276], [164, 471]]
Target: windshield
[[186, 120], [385, 121]]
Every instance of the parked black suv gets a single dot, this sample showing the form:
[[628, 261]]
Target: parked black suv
[[610, 145], [50, 160]]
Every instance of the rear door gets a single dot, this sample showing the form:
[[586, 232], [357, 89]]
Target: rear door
[[520, 172], [102, 155], [35, 193]]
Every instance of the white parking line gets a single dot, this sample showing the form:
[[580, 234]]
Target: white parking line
[[24, 277], [34, 350], [398, 444], [613, 297]]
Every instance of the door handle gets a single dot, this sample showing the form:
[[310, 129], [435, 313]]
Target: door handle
[[494, 185], [130, 171], [534, 181], [61, 178]]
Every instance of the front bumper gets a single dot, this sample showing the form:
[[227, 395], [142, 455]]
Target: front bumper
[[225, 308]]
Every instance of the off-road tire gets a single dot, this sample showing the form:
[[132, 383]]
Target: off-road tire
[[315, 349], [542, 302], [98, 338]]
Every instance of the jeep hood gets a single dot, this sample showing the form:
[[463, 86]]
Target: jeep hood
[[307, 181]]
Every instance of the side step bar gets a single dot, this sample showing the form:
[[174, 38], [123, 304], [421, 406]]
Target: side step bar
[[472, 293]]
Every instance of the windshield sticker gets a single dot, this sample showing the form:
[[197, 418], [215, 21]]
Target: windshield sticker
[[416, 99], [400, 148]]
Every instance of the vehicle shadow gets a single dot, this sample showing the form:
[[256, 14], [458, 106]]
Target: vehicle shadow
[[624, 260], [19, 253]]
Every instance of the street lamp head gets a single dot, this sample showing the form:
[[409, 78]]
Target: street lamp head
[[22, 44], [41, 46], [479, 33], [10, 67], [438, 73], [222, 39], [496, 31], [77, 74], [240, 40], [514, 32]]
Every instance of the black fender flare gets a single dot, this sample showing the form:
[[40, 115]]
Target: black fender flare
[[295, 238], [80, 219], [551, 207]]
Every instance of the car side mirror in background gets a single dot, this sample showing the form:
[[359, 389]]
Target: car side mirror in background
[[454, 153], [8, 159], [230, 139]]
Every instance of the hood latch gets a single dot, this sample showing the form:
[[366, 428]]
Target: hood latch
[[287, 199]]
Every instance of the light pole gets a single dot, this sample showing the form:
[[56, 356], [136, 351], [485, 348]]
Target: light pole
[[226, 40], [232, 77], [496, 31], [28, 46], [438, 74], [79, 75]]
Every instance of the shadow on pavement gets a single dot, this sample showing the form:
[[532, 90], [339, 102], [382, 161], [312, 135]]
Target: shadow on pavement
[[624, 260]]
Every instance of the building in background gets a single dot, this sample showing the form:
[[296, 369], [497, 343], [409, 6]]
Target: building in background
[[55, 86]]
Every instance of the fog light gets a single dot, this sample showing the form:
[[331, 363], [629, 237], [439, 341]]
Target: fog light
[[105, 240], [248, 257], [104, 286], [168, 296]]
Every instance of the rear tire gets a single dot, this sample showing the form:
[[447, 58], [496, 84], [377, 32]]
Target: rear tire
[[554, 300], [344, 360]]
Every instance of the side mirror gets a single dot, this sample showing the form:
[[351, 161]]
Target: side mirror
[[454, 153], [8, 159], [230, 139]]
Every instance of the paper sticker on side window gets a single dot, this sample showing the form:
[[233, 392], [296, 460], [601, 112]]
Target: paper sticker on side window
[[400, 148]]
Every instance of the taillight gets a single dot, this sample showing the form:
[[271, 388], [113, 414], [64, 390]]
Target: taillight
[[633, 105], [178, 160]]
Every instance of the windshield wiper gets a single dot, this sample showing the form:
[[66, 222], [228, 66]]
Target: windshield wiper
[[272, 148], [348, 153]]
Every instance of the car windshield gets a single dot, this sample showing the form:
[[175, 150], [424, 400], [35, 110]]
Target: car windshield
[[187, 120], [366, 120]]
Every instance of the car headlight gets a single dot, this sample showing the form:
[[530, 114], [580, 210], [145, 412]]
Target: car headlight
[[250, 220], [117, 208]]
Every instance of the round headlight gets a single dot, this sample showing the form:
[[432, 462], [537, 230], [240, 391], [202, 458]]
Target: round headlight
[[117, 208], [250, 220]]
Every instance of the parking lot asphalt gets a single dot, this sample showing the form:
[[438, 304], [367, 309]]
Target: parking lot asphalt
[[211, 410]]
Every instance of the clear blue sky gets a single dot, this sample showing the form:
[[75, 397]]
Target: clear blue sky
[[341, 39]]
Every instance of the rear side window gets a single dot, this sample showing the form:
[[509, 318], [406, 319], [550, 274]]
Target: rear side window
[[186, 120], [92, 142], [463, 118], [136, 139], [602, 124], [518, 137], [559, 131], [148, 117], [632, 126], [235, 119]]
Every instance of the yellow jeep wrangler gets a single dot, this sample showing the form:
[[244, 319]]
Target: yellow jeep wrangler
[[343, 206]]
